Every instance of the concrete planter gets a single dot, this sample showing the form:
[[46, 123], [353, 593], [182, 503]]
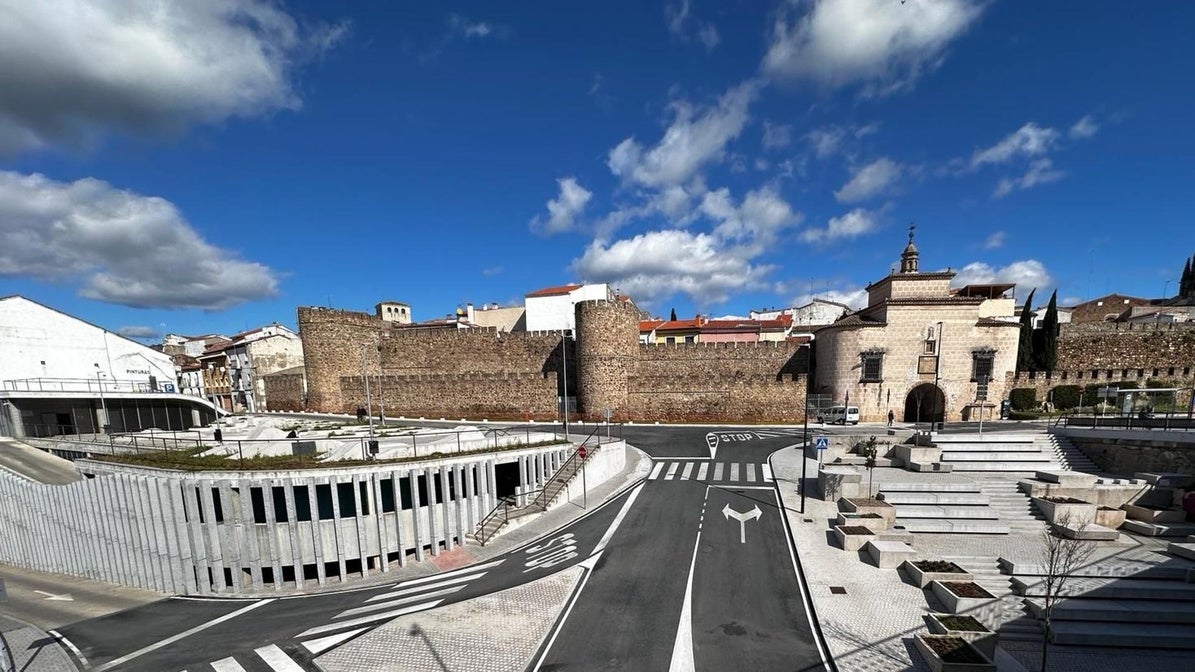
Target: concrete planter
[[852, 542], [1110, 518], [923, 578], [977, 662], [956, 603], [980, 636], [1077, 511], [870, 521], [1153, 515], [876, 506], [921, 455]]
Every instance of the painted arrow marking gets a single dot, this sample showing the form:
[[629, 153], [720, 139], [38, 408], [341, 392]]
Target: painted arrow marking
[[51, 597], [753, 514]]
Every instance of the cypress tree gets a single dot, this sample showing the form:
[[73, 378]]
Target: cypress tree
[[1184, 284], [1047, 358], [672, 318], [1025, 346]]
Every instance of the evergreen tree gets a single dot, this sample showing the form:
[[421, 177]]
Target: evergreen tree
[[1184, 284], [673, 316], [1025, 346], [1047, 355]]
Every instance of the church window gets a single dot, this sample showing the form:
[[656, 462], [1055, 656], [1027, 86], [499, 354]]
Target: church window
[[873, 367], [982, 364]]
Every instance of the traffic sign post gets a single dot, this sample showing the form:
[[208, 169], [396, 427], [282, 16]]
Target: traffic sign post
[[581, 453], [821, 444]]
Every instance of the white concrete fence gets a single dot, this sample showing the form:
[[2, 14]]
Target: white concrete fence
[[248, 532]]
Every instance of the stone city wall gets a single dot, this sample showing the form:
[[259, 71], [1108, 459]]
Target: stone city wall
[[1109, 345], [285, 391], [1042, 382], [490, 396]]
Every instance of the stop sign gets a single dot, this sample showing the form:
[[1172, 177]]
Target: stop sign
[[581, 452]]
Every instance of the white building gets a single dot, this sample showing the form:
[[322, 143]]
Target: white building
[[551, 308], [816, 312], [234, 378]]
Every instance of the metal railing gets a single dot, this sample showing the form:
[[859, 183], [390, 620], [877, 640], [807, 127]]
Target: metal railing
[[1168, 421], [94, 385], [566, 471], [503, 510]]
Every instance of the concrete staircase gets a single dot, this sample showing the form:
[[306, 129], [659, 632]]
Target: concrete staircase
[[1016, 453], [1007, 616], [1065, 453], [958, 508], [511, 511], [1015, 508]]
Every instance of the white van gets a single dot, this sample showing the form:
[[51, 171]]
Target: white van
[[839, 415]]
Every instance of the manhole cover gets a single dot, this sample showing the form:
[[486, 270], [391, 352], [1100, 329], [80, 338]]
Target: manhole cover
[[808, 520], [837, 590]]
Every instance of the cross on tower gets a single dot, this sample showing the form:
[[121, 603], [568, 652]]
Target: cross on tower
[[912, 225]]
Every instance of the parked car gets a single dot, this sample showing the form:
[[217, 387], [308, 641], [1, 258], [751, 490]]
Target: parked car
[[836, 415]]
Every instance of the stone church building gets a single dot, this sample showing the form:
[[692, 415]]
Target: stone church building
[[919, 348]]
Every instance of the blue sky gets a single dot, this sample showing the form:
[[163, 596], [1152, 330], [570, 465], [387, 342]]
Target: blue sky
[[207, 167]]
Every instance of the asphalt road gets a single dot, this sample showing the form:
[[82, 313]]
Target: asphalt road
[[36, 464]]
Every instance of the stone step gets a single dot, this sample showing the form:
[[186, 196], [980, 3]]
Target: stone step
[[1109, 588], [938, 525], [955, 458], [1011, 467], [1158, 529], [967, 498], [1119, 611], [920, 511], [987, 447], [1147, 635], [1182, 549], [930, 487], [1167, 569]]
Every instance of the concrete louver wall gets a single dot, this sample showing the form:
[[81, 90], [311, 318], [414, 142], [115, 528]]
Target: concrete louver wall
[[245, 532]]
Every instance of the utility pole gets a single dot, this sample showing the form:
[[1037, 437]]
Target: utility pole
[[564, 376], [937, 377], [368, 400]]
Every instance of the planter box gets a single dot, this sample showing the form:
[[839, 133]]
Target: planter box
[[875, 524], [937, 664], [923, 578], [877, 506], [1152, 515], [981, 637], [851, 542], [923, 455], [1110, 518], [888, 554], [956, 603], [1079, 512]]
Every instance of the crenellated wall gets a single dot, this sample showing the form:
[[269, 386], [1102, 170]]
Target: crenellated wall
[[1110, 345]]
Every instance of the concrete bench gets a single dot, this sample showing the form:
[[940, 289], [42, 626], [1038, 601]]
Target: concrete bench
[[889, 554], [1067, 479], [1086, 531]]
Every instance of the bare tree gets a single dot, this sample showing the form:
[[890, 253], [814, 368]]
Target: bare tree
[[1061, 557], [868, 450]]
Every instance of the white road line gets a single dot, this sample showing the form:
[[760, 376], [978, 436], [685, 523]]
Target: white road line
[[767, 473], [444, 575], [702, 471], [277, 659], [74, 649], [734, 472], [227, 665], [718, 471], [622, 513], [687, 471], [792, 553], [564, 617], [182, 635], [428, 586], [318, 646], [655, 472], [394, 603], [682, 648], [749, 471], [384, 616], [671, 471]]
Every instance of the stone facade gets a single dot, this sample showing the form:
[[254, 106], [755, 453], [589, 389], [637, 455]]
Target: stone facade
[[927, 342], [1109, 345], [1180, 377], [286, 389]]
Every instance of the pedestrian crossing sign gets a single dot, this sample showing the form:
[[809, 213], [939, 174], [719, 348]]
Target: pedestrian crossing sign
[[821, 442]]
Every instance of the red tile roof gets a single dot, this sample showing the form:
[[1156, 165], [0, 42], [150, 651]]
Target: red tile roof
[[680, 325], [648, 325], [730, 325], [552, 291]]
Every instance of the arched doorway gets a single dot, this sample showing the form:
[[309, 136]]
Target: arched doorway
[[925, 403]]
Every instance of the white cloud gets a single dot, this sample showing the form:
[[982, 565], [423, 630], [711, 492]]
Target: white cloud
[[1029, 140], [776, 136], [129, 249], [140, 333], [491, 271], [756, 223], [691, 141], [683, 25], [1027, 274], [564, 209], [871, 180], [994, 241], [1041, 171], [882, 44], [78, 68], [1083, 128], [855, 297], [830, 139], [658, 264], [851, 225]]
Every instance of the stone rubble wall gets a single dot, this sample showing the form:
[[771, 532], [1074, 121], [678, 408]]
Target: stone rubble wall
[[1110, 345]]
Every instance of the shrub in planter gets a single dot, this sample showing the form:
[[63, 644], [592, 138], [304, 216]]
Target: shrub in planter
[[968, 628], [852, 537], [924, 572], [1023, 398], [945, 653], [960, 596], [869, 505]]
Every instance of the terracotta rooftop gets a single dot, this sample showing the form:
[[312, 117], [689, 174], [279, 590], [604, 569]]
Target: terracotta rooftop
[[680, 325], [648, 325], [552, 291]]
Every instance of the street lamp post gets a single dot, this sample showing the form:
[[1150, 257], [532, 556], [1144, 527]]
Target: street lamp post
[[805, 433], [368, 400], [564, 376], [99, 375], [937, 377]]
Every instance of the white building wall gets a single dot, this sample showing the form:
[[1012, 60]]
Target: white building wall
[[555, 313], [40, 342]]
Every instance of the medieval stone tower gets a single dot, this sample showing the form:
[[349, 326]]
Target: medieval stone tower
[[335, 338], [607, 351]]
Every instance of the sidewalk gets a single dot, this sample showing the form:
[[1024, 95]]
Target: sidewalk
[[30, 649]]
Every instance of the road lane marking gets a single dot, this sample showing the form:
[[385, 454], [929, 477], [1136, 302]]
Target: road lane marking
[[227, 665], [688, 470], [569, 609], [429, 586], [749, 471], [734, 472], [68, 644], [655, 472], [718, 471], [682, 648], [671, 471], [818, 636], [277, 659], [399, 601], [701, 472], [622, 513], [767, 474], [364, 620], [444, 575], [182, 635], [321, 644]]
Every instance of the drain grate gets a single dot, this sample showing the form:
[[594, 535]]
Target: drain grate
[[837, 590]]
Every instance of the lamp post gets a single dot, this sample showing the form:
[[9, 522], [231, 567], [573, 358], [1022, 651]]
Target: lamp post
[[1165, 288], [99, 376], [564, 376], [368, 400], [805, 433], [937, 376]]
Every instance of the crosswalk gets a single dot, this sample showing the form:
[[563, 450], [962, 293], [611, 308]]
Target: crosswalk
[[275, 658], [716, 472]]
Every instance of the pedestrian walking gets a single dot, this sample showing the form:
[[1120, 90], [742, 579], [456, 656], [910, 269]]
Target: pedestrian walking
[[891, 417]]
